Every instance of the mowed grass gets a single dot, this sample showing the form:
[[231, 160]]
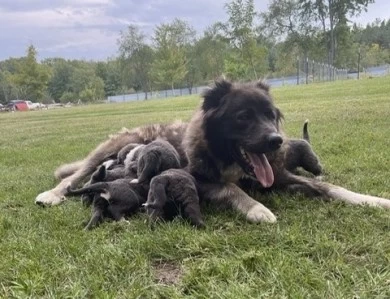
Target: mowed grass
[[317, 249]]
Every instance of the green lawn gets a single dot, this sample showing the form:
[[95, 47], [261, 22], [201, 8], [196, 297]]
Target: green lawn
[[316, 249]]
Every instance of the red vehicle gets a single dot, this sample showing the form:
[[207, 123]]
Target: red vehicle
[[17, 105]]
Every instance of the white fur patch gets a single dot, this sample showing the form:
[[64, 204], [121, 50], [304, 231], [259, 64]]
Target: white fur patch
[[106, 195], [134, 181], [260, 213], [49, 198], [339, 193], [108, 163]]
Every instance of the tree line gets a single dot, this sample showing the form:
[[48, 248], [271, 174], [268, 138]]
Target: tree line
[[249, 45]]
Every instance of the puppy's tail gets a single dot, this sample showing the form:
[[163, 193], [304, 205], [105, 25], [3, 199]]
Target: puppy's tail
[[330, 191], [68, 169], [99, 187], [305, 131]]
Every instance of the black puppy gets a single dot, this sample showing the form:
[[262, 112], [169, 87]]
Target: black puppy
[[173, 193], [116, 199], [299, 153]]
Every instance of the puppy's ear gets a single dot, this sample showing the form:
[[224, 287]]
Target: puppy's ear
[[262, 85], [213, 96], [100, 175]]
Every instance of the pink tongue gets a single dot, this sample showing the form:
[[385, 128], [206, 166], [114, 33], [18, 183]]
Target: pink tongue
[[262, 169]]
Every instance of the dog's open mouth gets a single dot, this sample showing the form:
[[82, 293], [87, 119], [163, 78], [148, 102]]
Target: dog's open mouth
[[257, 165]]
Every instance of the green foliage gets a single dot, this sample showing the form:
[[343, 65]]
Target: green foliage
[[136, 59], [31, 77], [67, 97], [171, 40]]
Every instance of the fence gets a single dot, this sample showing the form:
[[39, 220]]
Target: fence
[[307, 71]]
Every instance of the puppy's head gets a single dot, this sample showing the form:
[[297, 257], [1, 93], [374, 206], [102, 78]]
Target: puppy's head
[[241, 124]]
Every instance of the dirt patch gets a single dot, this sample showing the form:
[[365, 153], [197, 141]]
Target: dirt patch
[[167, 272]]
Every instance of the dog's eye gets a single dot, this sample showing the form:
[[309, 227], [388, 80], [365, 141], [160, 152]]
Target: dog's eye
[[270, 114], [245, 115]]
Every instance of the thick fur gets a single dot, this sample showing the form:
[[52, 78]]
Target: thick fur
[[299, 153], [173, 193], [117, 199], [153, 158], [209, 147]]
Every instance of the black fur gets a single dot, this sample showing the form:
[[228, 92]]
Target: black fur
[[172, 193]]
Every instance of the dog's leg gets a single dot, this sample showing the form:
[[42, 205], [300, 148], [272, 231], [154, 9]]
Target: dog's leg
[[105, 150], [317, 188], [67, 169], [231, 195]]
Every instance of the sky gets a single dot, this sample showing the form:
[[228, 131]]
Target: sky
[[89, 29]]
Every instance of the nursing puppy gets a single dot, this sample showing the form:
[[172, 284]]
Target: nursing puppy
[[152, 159], [173, 193], [116, 200]]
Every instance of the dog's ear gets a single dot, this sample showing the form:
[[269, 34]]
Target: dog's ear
[[213, 96], [279, 117], [262, 85]]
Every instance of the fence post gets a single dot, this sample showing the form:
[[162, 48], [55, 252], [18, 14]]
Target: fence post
[[307, 70], [297, 70]]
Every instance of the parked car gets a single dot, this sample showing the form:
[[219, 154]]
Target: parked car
[[32, 106], [17, 105]]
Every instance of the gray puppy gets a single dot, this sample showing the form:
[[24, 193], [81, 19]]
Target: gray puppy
[[151, 159], [172, 193], [300, 154]]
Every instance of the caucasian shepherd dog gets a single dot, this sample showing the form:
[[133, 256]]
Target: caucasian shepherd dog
[[234, 135]]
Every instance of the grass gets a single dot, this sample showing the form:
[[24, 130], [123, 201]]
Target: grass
[[316, 249]]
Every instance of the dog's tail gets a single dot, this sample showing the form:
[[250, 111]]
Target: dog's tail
[[330, 191], [305, 131], [68, 169], [94, 188]]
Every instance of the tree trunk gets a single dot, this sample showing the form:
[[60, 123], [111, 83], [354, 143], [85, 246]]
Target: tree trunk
[[332, 37], [173, 90]]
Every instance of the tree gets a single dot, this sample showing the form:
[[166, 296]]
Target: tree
[[31, 78], [284, 18], [240, 31], [332, 14], [110, 73], [60, 81], [136, 59], [171, 40]]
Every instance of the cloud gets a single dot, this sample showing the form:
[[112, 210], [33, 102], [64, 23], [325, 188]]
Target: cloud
[[90, 28]]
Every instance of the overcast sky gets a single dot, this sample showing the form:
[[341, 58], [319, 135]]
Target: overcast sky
[[89, 29]]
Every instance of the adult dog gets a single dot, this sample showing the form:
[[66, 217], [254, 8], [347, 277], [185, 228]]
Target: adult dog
[[234, 134]]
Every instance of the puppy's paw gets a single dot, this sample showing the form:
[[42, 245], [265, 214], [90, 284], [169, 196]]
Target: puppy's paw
[[48, 198], [259, 213]]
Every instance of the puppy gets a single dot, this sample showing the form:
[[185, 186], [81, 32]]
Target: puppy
[[152, 159], [116, 199], [172, 193], [299, 153], [102, 174]]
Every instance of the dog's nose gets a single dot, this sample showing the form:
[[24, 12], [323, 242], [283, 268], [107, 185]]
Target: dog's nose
[[274, 141]]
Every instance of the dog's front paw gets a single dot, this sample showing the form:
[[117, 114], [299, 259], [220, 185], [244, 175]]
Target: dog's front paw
[[259, 213], [48, 198]]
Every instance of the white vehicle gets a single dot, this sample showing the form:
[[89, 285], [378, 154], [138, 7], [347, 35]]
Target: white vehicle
[[34, 106]]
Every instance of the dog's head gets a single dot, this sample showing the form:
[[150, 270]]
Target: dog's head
[[241, 125]]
